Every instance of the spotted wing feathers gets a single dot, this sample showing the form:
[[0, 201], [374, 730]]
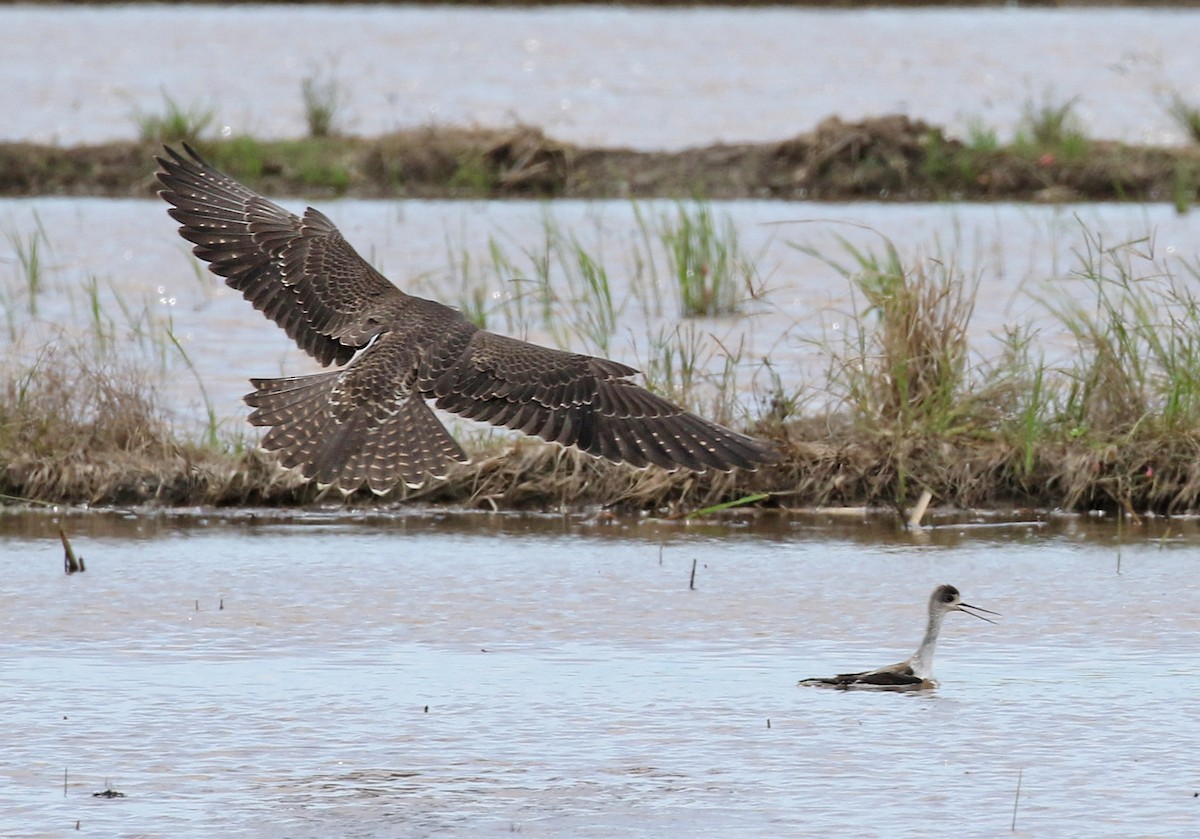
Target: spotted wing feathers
[[587, 402], [299, 272]]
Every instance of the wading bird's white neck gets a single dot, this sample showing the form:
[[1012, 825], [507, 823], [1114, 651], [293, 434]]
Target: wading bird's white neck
[[922, 660]]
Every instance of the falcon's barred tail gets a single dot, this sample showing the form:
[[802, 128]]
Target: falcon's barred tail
[[409, 444]]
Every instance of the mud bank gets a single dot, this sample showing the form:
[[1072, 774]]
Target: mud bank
[[890, 158]]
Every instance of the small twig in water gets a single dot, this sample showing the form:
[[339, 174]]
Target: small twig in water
[[108, 792], [71, 563], [692, 581], [1016, 798]]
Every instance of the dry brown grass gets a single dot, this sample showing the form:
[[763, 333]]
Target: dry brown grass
[[78, 427], [73, 431]]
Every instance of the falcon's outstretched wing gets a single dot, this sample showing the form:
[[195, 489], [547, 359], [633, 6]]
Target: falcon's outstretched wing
[[368, 422], [299, 272]]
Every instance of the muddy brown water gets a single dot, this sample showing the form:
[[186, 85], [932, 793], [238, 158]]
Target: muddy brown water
[[474, 675], [647, 78]]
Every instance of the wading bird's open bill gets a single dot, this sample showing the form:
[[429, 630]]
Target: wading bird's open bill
[[369, 421], [916, 671]]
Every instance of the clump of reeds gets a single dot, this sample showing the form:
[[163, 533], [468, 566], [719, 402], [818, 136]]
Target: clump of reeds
[[1128, 395], [1185, 113], [558, 285], [324, 98], [1136, 368], [981, 137], [1050, 126], [901, 370], [175, 123], [711, 273], [29, 251], [903, 364]]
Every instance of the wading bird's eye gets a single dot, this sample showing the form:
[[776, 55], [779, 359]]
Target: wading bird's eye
[[949, 595]]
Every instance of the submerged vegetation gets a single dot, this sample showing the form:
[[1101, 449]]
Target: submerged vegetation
[[1108, 418]]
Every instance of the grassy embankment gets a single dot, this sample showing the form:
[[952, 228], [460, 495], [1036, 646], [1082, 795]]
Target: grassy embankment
[[885, 158], [906, 403]]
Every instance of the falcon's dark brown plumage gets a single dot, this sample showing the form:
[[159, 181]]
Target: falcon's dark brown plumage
[[368, 422]]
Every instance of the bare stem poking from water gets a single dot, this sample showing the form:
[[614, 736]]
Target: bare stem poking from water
[[71, 563], [692, 580], [1016, 798]]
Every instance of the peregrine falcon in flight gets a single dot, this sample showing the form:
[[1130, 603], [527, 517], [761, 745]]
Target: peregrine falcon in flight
[[369, 420]]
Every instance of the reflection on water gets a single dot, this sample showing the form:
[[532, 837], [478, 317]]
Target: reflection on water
[[468, 674]]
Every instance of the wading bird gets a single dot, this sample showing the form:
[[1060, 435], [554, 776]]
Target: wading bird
[[916, 671], [369, 421]]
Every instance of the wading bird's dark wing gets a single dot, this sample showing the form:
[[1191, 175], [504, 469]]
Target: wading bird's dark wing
[[587, 402], [299, 272], [883, 678], [901, 676]]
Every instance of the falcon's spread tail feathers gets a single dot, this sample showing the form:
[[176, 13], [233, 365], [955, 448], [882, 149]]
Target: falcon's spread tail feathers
[[410, 444]]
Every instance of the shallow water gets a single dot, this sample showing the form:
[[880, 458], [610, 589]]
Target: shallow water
[[145, 278], [648, 78], [461, 674]]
